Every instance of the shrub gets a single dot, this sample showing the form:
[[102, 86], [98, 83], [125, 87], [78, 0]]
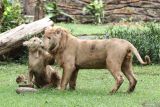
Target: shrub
[[12, 16], [53, 11], [146, 39], [96, 9]]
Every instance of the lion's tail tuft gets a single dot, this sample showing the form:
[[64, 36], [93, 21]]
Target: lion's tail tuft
[[147, 58]]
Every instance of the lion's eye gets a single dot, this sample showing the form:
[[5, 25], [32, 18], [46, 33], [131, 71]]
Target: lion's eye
[[49, 37]]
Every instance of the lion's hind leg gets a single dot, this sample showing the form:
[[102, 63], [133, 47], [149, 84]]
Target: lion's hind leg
[[72, 82], [128, 72], [115, 70]]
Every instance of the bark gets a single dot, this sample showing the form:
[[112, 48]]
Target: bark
[[39, 10], [1, 9]]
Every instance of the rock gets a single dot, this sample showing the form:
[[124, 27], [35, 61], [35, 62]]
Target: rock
[[138, 10], [115, 10], [21, 90]]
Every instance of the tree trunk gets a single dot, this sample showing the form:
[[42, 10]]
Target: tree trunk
[[29, 6], [1, 9], [39, 10], [14, 38]]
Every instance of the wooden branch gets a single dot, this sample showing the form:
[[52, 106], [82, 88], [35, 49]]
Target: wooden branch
[[14, 38]]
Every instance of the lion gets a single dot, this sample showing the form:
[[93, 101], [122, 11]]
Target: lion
[[39, 68], [73, 54]]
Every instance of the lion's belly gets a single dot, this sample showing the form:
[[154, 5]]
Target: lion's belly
[[92, 61], [92, 65], [91, 54], [37, 64]]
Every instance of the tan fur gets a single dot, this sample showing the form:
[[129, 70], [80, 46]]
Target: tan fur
[[39, 59], [73, 54], [21, 79]]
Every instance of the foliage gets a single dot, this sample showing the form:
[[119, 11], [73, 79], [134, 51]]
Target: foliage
[[145, 39], [95, 8], [12, 16], [53, 11]]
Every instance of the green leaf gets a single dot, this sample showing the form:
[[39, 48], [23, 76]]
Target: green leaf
[[50, 15]]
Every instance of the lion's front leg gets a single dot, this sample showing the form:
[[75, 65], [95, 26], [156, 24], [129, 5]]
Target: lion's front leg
[[30, 76], [67, 72]]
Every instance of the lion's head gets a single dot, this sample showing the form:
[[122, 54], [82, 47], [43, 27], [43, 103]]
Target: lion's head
[[34, 43], [57, 37]]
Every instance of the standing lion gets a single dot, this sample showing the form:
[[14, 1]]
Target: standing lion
[[73, 54]]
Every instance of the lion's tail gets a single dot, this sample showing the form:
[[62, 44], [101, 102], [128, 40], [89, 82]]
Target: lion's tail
[[147, 58]]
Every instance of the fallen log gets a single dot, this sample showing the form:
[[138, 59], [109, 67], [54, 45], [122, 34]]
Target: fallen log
[[14, 38]]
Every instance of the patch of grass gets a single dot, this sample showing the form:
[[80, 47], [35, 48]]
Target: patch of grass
[[78, 29], [92, 90]]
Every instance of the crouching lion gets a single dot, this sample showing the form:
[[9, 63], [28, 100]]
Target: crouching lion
[[73, 54], [39, 68]]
